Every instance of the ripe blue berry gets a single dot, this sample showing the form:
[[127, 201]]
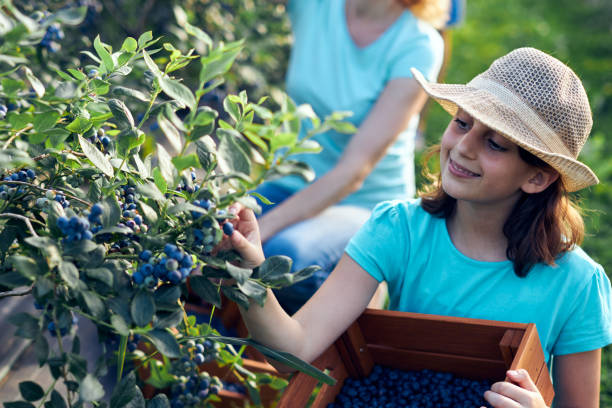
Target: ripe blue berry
[[96, 210], [228, 228], [145, 255]]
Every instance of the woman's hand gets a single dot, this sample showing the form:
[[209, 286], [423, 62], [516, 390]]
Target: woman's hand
[[245, 238], [523, 393]]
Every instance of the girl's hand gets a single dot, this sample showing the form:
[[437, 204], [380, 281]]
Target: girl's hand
[[245, 237], [523, 393]]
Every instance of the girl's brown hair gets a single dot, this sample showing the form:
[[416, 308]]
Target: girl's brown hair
[[540, 227]]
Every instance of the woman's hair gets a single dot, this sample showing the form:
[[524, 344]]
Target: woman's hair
[[435, 12], [540, 227]]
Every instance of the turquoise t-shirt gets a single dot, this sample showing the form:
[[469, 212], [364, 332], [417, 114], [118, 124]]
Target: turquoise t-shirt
[[402, 244], [329, 72]]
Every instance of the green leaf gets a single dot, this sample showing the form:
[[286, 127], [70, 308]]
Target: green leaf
[[280, 356], [159, 401], [30, 391], [129, 139], [183, 162], [167, 295], [120, 325], [151, 64], [69, 273], [293, 167], [57, 401], [132, 93], [172, 134], [274, 267], [111, 212], [177, 91], [99, 86], [165, 165], [164, 342], [238, 273], [94, 304], [150, 190], [77, 74], [254, 290], [27, 325], [96, 157], [121, 112], [198, 33], [159, 180], [91, 389], [206, 149], [231, 157], [282, 140], [26, 267], [45, 120], [129, 45], [144, 39], [168, 320], [142, 308], [70, 15], [104, 55], [125, 391], [219, 61], [231, 108], [205, 289], [79, 125], [148, 212], [35, 83]]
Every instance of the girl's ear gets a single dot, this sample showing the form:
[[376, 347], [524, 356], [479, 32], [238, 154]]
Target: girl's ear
[[540, 180]]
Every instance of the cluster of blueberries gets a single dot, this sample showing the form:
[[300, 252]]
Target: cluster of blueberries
[[188, 188], [25, 175], [173, 266], [99, 138], [195, 387], [390, 388], [130, 216], [53, 34], [74, 229]]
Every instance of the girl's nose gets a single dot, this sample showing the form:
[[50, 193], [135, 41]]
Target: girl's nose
[[467, 145]]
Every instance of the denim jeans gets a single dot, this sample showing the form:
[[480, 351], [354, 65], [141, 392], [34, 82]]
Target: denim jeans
[[319, 240]]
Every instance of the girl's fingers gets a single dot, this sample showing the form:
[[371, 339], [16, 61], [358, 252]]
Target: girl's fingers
[[521, 393]]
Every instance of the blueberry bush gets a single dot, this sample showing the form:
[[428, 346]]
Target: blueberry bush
[[115, 183]]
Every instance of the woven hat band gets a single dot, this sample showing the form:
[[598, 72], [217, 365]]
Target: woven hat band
[[530, 118]]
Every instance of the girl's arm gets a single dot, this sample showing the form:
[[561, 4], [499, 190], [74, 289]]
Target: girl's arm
[[576, 378], [338, 302], [400, 100]]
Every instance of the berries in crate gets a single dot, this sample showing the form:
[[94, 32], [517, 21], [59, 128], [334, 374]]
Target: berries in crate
[[472, 349]]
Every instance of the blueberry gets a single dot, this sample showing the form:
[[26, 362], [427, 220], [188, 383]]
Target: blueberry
[[199, 359], [169, 249], [199, 348], [131, 347], [228, 228], [92, 73], [137, 277], [174, 277], [146, 269], [96, 210], [145, 255], [172, 264], [203, 393], [87, 235], [62, 223], [138, 220]]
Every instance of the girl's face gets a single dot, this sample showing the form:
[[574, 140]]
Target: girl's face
[[479, 165]]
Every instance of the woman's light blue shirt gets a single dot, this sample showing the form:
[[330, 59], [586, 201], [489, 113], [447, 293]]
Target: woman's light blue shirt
[[410, 249], [329, 72]]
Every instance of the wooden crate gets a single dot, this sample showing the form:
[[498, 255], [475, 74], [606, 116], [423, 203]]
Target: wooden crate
[[470, 348]]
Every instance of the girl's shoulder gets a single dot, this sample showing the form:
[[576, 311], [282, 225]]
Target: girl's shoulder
[[577, 262], [404, 212]]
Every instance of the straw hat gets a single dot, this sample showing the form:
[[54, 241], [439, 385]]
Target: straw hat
[[535, 101]]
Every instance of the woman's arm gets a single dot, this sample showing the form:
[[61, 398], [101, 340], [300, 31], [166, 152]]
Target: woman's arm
[[576, 378], [401, 99]]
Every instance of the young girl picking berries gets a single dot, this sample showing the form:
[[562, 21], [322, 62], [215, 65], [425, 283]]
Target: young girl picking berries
[[494, 237]]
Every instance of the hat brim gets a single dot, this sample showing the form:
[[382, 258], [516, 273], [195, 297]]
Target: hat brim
[[492, 112]]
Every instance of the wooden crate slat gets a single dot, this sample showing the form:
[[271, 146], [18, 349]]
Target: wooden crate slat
[[464, 366], [530, 357], [545, 385], [450, 335], [357, 350], [302, 385], [509, 345]]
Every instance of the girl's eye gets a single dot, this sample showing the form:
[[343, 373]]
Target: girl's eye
[[495, 146], [461, 124]]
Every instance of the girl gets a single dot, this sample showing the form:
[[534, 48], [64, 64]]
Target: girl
[[494, 238]]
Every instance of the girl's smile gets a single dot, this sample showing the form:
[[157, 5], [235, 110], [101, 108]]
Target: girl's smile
[[460, 171]]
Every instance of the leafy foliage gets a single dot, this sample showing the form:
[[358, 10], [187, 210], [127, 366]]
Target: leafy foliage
[[122, 177]]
